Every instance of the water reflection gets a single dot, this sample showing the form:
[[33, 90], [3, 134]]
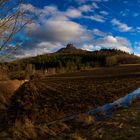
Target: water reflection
[[108, 109]]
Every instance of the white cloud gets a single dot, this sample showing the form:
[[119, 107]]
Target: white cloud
[[27, 7], [32, 27], [97, 18], [30, 8], [97, 32], [109, 42], [50, 9], [90, 47], [57, 26], [121, 26], [86, 8], [41, 48], [61, 30], [104, 13], [47, 45], [73, 13], [119, 43]]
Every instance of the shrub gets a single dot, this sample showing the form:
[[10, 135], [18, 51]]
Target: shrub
[[3, 75], [111, 61], [20, 75]]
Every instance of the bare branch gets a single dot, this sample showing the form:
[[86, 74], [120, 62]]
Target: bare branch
[[12, 20]]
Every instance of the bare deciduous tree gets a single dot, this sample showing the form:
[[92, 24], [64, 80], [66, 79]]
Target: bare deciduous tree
[[12, 20]]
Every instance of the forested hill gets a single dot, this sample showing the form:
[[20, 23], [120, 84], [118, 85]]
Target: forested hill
[[72, 59]]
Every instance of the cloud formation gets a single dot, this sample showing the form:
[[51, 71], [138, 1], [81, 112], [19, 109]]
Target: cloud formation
[[54, 28], [110, 42], [97, 18], [120, 43], [121, 26], [60, 29]]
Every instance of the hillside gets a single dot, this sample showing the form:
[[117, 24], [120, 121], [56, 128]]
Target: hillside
[[63, 84], [69, 59]]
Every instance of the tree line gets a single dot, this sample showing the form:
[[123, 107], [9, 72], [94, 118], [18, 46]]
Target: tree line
[[67, 62]]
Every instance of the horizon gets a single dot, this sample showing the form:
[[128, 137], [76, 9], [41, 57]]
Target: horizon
[[88, 24]]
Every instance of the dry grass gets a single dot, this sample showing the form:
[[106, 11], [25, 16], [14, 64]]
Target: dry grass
[[24, 129], [85, 119], [77, 136], [50, 99], [7, 88]]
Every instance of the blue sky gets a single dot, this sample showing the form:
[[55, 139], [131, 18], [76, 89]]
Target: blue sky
[[89, 24]]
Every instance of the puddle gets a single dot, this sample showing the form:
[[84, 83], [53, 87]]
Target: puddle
[[106, 110], [109, 108]]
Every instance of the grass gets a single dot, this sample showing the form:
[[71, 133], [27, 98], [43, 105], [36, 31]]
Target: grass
[[76, 136], [124, 125], [7, 89], [23, 130], [50, 98], [85, 119]]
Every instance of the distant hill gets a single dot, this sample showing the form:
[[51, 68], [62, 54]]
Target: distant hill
[[70, 48], [68, 59]]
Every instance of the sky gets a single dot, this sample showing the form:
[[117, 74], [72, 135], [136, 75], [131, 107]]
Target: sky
[[88, 24]]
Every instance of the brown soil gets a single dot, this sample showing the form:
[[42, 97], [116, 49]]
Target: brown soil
[[52, 98], [41, 101]]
